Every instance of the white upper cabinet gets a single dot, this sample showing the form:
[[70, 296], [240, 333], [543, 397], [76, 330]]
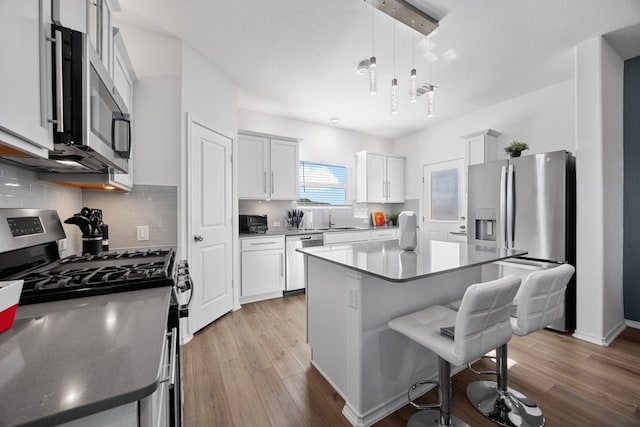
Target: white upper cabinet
[[481, 146], [395, 179], [284, 170], [379, 178], [267, 168], [123, 74], [25, 77], [100, 29]]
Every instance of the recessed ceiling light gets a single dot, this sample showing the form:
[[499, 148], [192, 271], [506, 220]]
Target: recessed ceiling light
[[335, 120]]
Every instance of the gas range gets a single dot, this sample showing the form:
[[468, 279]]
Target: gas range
[[87, 275]]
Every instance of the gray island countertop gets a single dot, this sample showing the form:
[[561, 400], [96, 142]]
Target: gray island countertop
[[68, 359], [385, 259]]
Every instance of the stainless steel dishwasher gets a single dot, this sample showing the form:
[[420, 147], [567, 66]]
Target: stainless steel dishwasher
[[295, 260]]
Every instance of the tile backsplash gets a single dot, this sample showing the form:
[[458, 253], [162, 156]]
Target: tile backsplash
[[20, 188], [153, 205]]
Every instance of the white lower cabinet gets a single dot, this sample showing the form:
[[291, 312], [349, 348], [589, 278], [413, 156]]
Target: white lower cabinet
[[262, 268], [387, 234], [333, 238], [346, 237]]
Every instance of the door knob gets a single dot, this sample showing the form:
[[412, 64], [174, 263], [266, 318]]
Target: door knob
[[198, 238]]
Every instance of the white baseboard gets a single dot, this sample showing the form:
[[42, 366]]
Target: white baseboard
[[632, 324], [601, 341]]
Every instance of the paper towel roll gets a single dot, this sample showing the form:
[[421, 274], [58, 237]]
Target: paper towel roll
[[408, 230]]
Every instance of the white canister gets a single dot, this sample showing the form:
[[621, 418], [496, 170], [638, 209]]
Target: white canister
[[408, 222]]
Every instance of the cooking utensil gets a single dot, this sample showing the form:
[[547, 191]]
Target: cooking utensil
[[82, 222]]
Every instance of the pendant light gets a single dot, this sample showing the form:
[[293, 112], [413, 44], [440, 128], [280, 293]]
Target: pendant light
[[372, 61], [413, 90], [431, 88], [394, 81]]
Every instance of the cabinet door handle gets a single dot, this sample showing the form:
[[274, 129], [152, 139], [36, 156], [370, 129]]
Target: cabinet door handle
[[389, 189], [281, 265], [273, 180], [265, 182], [198, 238], [59, 122], [263, 243]]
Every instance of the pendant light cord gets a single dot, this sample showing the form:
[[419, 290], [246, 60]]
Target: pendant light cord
[[372, 29], [394, 42], [413, 45]]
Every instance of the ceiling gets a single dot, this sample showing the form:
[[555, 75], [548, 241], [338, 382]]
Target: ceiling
[[298, 58]]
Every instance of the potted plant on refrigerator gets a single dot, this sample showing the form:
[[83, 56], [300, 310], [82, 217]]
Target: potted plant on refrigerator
[[516, 148]]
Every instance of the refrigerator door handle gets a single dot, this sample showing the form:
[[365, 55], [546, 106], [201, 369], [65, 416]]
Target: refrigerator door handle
[[510, 209], [502, 218]]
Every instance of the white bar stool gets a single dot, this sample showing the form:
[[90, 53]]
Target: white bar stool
[[540, 302], [481, 324]]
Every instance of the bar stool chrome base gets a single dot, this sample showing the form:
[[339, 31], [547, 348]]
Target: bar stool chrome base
[[510, 409], [432, 418]]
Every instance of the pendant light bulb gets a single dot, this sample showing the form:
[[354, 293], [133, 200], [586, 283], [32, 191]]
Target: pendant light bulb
[[372, 75], [413, 90], [394, 97], [430, 96]]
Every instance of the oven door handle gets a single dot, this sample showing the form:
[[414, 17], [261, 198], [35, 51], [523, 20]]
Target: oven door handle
[[171, 378]]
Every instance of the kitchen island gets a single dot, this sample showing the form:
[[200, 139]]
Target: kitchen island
[[92, 357], [353, 290]]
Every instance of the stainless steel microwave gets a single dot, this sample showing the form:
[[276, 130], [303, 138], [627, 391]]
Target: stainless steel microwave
[[91, 122]]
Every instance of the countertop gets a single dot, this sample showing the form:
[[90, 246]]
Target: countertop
[[387, 261], [296, 231], [67, 359]]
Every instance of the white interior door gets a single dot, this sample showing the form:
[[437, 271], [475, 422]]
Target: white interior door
[[444, 199], [211, 250]]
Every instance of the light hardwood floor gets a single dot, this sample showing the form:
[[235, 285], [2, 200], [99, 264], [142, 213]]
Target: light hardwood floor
[[251, 368]]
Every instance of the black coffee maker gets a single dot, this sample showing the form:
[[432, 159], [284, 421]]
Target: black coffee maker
[[95, 233]]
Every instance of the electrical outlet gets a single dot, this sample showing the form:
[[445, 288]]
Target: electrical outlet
[[276, 223], [142, 232]]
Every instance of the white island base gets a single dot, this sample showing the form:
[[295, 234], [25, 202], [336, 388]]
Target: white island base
[[368, 364]]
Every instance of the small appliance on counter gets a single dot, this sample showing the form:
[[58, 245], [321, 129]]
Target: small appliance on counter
[[253, 224], [408, 230], [95, 233]]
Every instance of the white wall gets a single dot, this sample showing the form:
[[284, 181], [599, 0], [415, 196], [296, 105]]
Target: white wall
[[156, 136], [325, 144], [544, 119], [599, 178], [208, 96], [156, 105]]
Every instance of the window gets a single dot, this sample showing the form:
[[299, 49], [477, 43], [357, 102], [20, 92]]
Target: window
[[445, 205], [322, 184]]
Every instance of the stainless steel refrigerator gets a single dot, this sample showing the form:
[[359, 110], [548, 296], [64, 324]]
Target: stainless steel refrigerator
[[526, 203]]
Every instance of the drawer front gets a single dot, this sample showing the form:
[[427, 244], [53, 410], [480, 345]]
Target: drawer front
[[351, 236], [262, 243], [384, 234]]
